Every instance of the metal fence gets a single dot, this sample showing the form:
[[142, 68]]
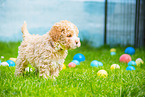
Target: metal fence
[[125, 23], [100, 22]]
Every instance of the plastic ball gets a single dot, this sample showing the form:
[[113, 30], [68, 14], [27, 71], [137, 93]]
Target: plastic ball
[[102, 73], [2, 57], [125, 58], [94, 63], [130, 68], [100, 64], [76, 62], [0, 61], [4, 64], [13, 59], [79, 57], [64, 67], [130, 50], [71, 64], [139, 61], [114, 66], [28, 69], [113, 53], [131, 63], [112, 50], [11, 63]]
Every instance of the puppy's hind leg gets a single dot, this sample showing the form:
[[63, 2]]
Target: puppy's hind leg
[[21, 64]]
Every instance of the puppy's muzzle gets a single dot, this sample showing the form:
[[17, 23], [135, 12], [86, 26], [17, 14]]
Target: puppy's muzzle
[[78, 43]]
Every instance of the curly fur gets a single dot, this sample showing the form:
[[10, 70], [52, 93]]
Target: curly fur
[[47, 53]]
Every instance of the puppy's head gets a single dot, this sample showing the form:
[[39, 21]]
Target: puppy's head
[[65, 33]]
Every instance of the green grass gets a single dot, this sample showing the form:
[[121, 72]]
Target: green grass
[[80, 81]]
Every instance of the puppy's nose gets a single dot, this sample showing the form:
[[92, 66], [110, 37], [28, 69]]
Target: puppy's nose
[[76, 42]]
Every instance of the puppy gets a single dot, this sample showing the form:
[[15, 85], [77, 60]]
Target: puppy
[[47, 53]]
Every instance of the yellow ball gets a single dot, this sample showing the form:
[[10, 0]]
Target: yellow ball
[[112, 50], [102, 73], [64, 67], [139, 61], [114, 66], [13, 59]]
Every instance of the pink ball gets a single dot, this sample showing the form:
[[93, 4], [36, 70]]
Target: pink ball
[[71, 64], [125, 58]]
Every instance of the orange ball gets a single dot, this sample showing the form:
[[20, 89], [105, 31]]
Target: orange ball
[[125, 58], [71, 64]]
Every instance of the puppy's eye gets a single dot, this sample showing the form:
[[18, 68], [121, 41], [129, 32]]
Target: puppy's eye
[[69, 35], [62, 30]]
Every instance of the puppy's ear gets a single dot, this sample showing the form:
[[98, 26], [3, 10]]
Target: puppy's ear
[[55, 32]]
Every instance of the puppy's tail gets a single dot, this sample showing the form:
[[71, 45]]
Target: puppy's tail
[[25, 30]]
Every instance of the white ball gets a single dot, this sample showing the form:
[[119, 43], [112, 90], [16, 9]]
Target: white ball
[[139, 61], [115, 66], [4, 64], [28, 69], [2, 57], [102, 73]]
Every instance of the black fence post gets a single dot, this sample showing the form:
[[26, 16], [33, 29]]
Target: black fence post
[[105, 22], [137, 15], [143, 7]]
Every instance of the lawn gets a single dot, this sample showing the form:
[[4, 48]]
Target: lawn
[[80, 81]]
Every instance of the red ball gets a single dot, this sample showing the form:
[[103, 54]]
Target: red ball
[[125, 58], [71, 64]]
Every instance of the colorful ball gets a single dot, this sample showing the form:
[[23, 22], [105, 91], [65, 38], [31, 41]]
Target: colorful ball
[[4, 64], [139, 61], [130, 68], [79, 57], [64, 67], [102, 73], [71, 64], [94, 63], [130, 50], [114, 66], [13, 59], [28, 69], [76, 62], [113, 53], [125, 58], [2, 57], [112, 50], [131, 63], [100, 64], [11, 63]]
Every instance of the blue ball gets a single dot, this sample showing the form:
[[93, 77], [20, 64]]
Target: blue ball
[[130, 50], [130, 68], [113, 53], [79, 57], [0, 61], [11, 63], [94, 63], [131, 63], [76, 62], [100, 63]]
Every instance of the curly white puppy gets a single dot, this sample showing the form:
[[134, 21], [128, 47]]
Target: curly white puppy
[[47, 53]]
